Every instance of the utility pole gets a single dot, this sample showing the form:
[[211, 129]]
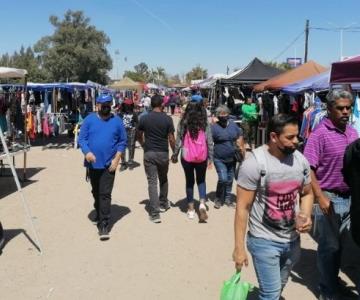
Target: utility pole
[[306, 40]]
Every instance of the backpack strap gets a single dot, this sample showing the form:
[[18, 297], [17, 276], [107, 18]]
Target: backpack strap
[[303, 163], [259, 154]]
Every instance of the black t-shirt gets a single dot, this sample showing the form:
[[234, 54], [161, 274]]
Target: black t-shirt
[[156, 127]]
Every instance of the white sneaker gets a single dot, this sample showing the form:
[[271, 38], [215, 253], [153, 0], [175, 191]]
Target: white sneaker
[[191, 214]]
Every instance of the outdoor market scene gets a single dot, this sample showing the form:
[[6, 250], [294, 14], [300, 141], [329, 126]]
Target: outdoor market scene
[[163, 150]]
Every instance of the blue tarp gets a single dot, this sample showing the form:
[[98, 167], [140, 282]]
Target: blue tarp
[[315, 83], [71, 86]]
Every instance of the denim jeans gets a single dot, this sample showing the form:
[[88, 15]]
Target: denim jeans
[[200, 170], [156, 167], [273, 262], [327, 230], [225, 173]]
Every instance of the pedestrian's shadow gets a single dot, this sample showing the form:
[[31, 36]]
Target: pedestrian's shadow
[[211, 196], [146, 204], [10, 234], [117, 213], [182, 204], [305, 271]]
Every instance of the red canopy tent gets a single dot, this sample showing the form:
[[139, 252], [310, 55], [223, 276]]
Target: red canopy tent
[[345, 72]]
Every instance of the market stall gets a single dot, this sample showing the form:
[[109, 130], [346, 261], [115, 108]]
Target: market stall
[[12, 119]]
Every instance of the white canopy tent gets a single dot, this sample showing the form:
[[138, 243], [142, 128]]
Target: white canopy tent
[[12, 73]]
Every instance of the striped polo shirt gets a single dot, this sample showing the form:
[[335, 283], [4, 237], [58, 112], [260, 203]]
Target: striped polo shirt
[[325, 150]]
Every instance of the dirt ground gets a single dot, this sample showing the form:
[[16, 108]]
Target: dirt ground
[[177, 259]]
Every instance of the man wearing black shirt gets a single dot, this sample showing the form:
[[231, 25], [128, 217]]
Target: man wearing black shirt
[[158, 130]]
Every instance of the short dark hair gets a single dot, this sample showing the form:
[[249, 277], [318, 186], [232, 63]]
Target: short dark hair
[[278, 122], [156, 101]]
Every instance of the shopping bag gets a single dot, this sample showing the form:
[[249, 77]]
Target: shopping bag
[[234, 289]]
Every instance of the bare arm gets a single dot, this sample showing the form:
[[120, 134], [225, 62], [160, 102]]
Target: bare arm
[[171, 138], [306, 205], [140, 137], [245, 198], [241, 144], [324, 202]]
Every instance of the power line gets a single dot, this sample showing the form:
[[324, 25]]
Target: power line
[[287, 47]]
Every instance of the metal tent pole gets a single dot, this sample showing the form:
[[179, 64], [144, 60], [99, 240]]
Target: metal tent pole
[[16, 178]]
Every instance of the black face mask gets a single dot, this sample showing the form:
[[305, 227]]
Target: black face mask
[[287, 150], [223, 120], [105, 110]]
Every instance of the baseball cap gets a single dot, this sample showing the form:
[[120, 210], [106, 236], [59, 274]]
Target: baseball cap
[[102, 98], [196, 98]]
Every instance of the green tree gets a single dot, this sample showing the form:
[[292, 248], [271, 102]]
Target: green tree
[[282, 66], [76, 51], [196, 73], [140, 74], [25, 59]]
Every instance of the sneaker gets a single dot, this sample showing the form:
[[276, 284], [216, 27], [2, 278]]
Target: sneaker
[[164, 207], [217, 204], [230, 204], [191, 214], [123, 167], [104, 232], [95, 218], [155, 218], [203, 214]]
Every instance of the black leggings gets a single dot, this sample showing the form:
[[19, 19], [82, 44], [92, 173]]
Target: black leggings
[[200, 170]]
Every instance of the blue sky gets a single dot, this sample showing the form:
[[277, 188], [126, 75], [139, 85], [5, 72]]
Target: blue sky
[[179, 34]]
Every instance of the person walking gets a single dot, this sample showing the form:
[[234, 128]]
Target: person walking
[[270, 181], [250, 121], [156, 132], [325, 150], [226, 136], [194, 139], [102, 139], [130, 120]]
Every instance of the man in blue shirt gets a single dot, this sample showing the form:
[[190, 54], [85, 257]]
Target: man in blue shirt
[[102, 140]]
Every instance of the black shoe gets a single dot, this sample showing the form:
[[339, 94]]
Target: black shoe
[[155, 218], [95, 218], [164, 207], [133, 164], [104, 232], [123, 167]]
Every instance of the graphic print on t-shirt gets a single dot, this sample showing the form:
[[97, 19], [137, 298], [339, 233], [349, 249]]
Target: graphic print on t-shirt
[[280, 205]]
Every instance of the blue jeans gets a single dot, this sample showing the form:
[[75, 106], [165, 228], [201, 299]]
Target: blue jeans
[[225, 173], [327, 230], [200, 170], [273, 262]]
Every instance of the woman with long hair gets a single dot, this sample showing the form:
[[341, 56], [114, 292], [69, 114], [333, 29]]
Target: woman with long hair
[[194, 139]]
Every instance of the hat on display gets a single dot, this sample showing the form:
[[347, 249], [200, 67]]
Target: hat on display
[[102, 98], [196, 98]]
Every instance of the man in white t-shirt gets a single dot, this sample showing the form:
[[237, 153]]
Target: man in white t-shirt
[[270, 182], [146, 102]]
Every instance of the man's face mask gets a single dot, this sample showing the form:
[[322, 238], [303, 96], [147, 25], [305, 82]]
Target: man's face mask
[[105, 110], [223, 120]]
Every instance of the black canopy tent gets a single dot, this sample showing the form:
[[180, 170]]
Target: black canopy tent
[[256, 71]]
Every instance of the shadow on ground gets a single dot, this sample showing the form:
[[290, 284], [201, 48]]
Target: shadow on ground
[[10, 234], [54, 142], [117, 213], [7, 182]]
